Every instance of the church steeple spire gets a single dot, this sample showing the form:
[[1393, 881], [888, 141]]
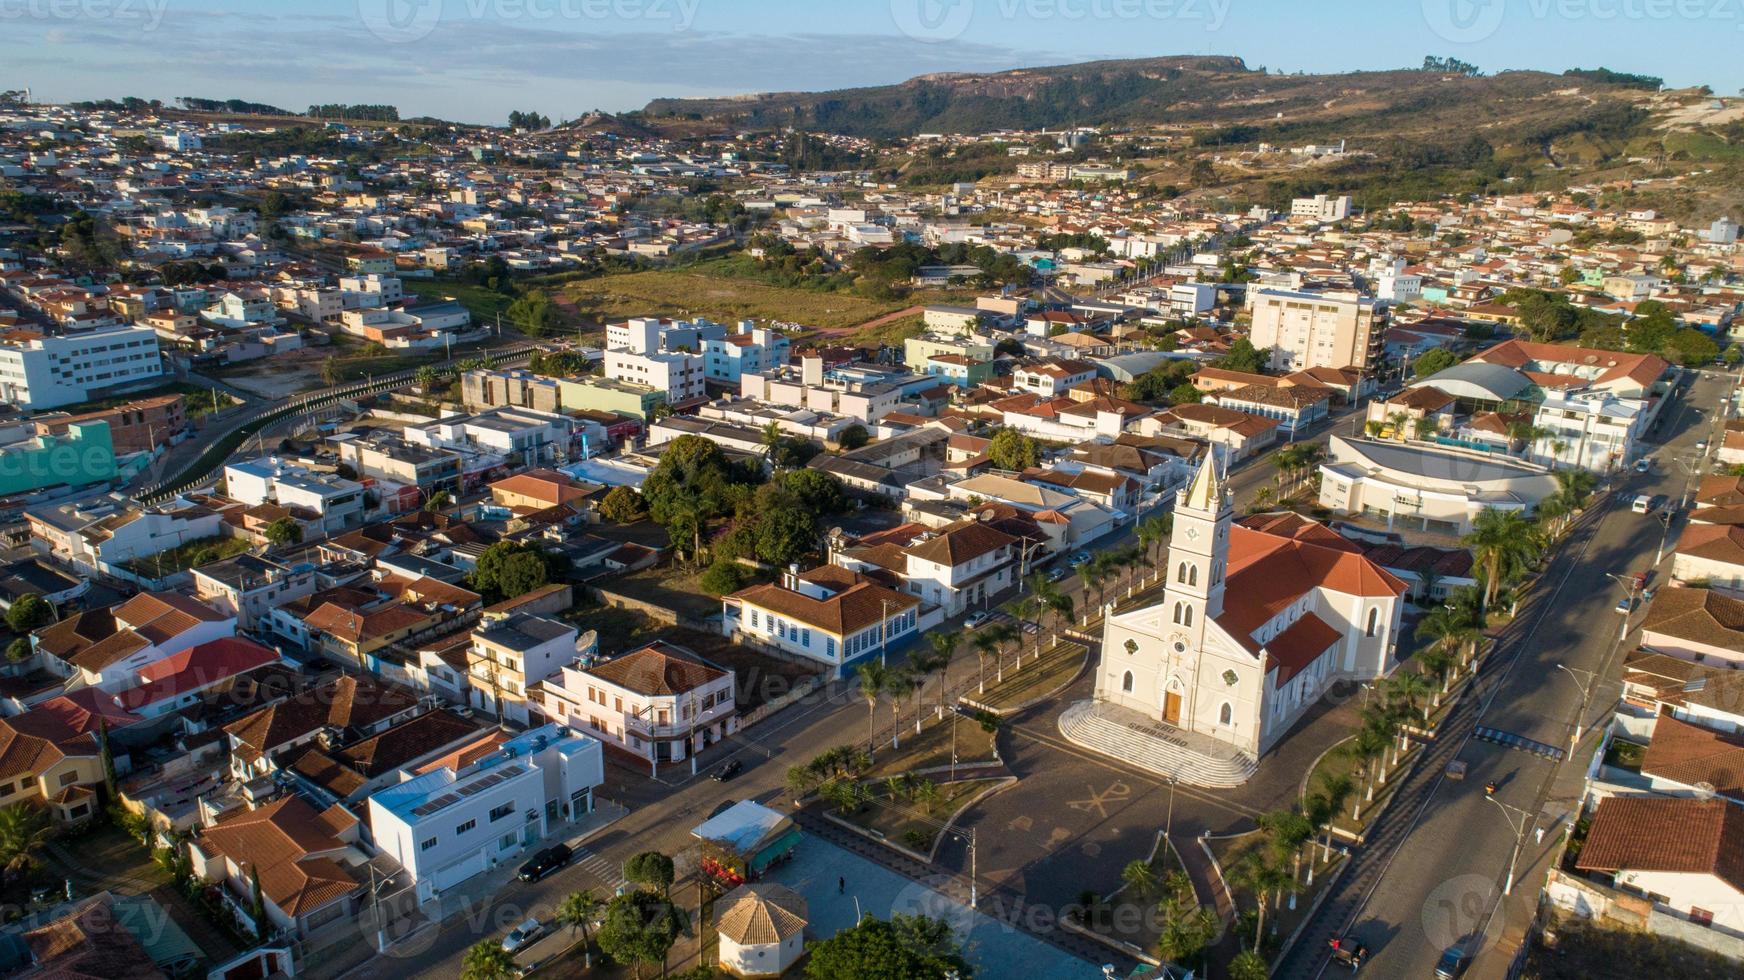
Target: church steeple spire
[[1199, 547], [1205, 493]]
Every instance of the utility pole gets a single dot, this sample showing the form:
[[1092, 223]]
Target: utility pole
[[1519, 828]]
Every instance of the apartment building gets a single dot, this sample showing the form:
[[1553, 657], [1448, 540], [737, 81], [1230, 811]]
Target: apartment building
[[99, 535], [1321, 207], [678, 376], [660, 702], [324, 502], [516, 388], [510, 653], [1318, 330], [484, 803], [751, 350], [39, 371]]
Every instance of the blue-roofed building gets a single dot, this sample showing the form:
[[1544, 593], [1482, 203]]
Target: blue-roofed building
[[485, 803]]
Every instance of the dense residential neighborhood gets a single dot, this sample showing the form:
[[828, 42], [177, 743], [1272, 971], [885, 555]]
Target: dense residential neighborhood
[[623, 545]]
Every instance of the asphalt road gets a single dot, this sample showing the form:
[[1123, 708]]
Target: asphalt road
[[663, 811], [1432, 873]]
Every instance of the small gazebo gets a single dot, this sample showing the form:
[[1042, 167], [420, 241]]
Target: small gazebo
[[762, 929]]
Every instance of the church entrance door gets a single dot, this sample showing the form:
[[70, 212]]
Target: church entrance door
[[1172, 708]]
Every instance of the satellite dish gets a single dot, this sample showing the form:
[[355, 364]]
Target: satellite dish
[[1704, 791]]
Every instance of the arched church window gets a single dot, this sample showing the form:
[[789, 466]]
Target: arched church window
[[1126, 682]]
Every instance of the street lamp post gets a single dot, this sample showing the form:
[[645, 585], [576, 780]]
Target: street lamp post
[[1586, 689], [1519, 828], [1629, 585], [1665, 519]]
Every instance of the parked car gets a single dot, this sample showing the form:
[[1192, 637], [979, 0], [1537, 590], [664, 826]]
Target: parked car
[[1081, 558], [1452, 963], [545, 862], [727, 770], [977, 620], [1702, 446], [1644, 465], [1056, 573], [1626, 605], [524, 935]]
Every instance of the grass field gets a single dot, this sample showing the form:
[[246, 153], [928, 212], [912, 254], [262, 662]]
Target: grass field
[[1036, 678], [722, 299], [484, 304], [913, 826]]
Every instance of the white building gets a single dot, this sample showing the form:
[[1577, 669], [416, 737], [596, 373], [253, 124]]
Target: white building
[[762, 929], [325, 501], [509, 655], [660, 702], [1321, 207], [1252, 626], [484, 804], [679, 376], [827, 614], [38, 371], [1594, 430], [1312, 330]]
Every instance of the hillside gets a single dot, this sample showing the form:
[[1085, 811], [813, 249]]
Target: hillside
[[1186, 92]]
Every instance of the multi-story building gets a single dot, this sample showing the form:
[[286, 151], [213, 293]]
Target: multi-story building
[[515, 388], [485, 803], [510, 653], [82, 456], [99, 535], [425, 471], [325, 502], [39, 371], [1321, 207], [751, 350], [661, 702], [1313, 330], [133, 427], [957, 568], [107, 647], [678, 376], [828, 614], [248, 586], [1051, 378], [636, 401]]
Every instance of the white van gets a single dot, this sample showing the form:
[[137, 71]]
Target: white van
[[1642, 504]]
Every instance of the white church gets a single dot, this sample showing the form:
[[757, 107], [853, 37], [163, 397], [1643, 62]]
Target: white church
[[1255, 621]]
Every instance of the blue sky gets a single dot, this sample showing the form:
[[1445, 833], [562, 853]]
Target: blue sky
[[474, 60]]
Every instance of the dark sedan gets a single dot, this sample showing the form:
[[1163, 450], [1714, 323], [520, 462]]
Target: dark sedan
[[545, 862]]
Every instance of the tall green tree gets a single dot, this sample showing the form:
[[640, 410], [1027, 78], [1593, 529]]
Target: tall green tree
[[906, 947], [1501, 541], [653, 869], [578, 911], [1012, 450], [29, 612], [24, 829], [640, 928]]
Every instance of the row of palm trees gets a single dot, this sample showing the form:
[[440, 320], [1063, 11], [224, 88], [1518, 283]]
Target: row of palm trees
[[1295, 466], [1505, 544]]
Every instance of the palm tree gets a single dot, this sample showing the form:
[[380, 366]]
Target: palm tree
[[1425, 427], [1001, 634], [24, 829], [985, 643], [1374, 428], [1260, 877], [487, 960], [874, 677], [1263, 497], [771, 441], [1335, 789], [1370, 748], [1026, 609], [578, 911], [1500, 541], [899, 684], [1409, 688], [1152, 531], [1396, 421], [944, 646], [1139, 877]]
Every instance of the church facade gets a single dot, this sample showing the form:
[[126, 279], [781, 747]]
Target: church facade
[[1256, 619]]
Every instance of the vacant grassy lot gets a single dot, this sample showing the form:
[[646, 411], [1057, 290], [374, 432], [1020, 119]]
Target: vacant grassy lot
[[932, 747], [484, 304], [722, 299]]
